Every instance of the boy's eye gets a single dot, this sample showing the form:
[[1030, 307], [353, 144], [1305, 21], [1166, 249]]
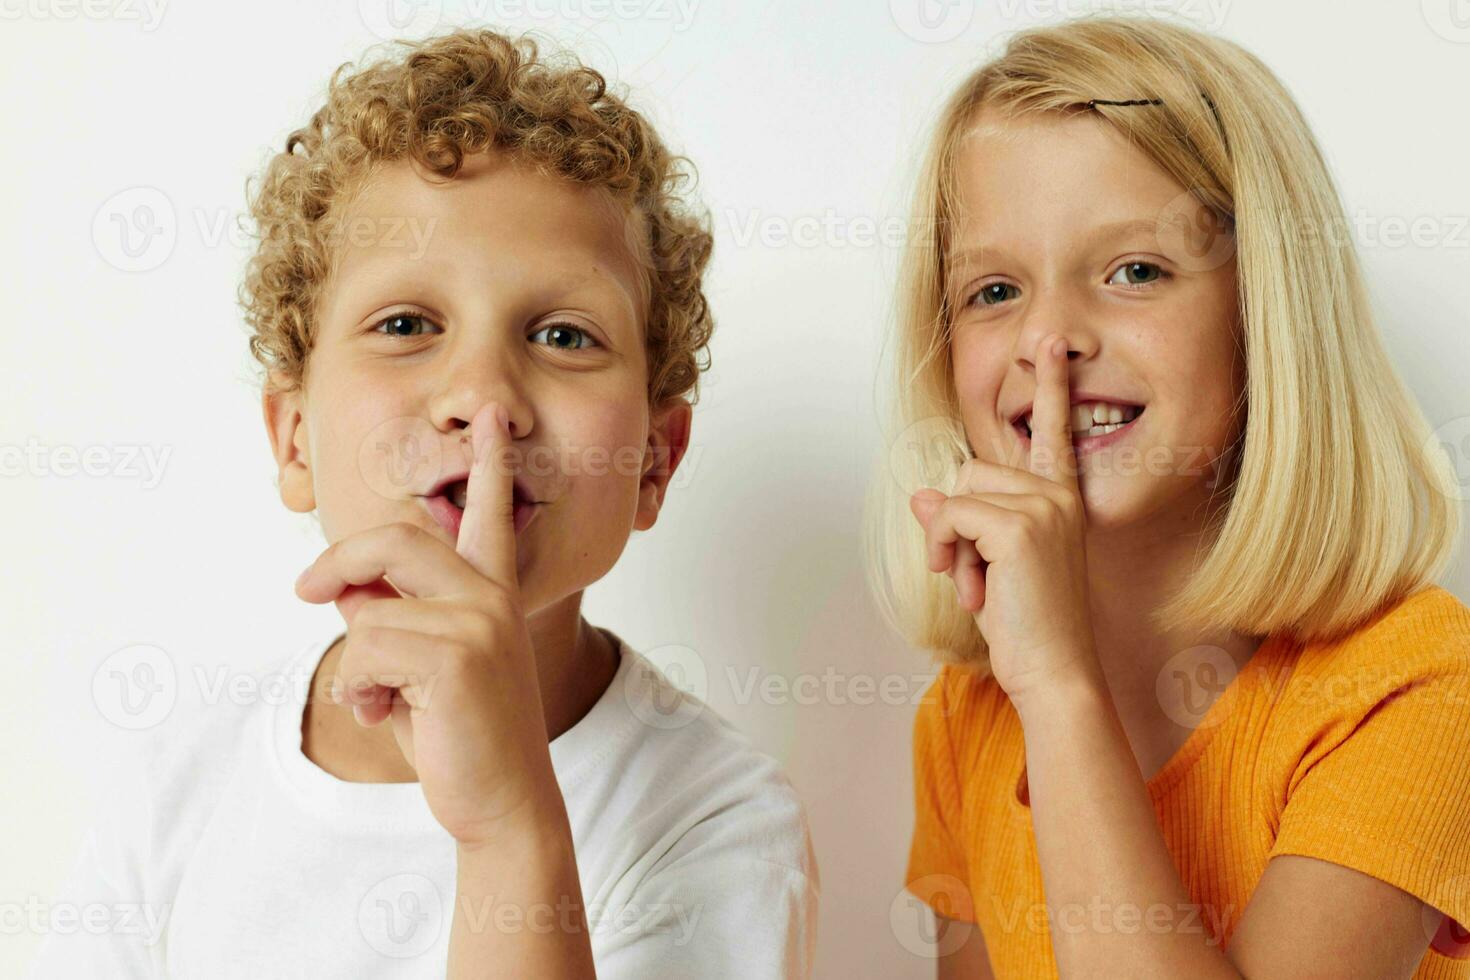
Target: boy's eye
[[399, 324], [564, 336]]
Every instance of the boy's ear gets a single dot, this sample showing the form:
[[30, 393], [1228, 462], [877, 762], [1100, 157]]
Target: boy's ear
[[668, 439], [284, 425]]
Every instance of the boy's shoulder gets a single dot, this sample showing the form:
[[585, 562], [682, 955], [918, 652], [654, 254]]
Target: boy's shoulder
[[665, 721], [207, 740], [160, 795], [658, 756]]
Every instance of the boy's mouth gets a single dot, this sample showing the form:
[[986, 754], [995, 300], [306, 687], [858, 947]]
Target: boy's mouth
[[446, 503]]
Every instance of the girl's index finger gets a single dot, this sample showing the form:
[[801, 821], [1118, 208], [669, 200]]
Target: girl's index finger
[[1052, 455], [487, 534]]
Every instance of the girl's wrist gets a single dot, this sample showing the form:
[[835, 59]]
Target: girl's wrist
[[1062, 694]]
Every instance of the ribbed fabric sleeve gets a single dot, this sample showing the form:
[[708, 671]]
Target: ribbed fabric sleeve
[[1386, 788], [936, 871]]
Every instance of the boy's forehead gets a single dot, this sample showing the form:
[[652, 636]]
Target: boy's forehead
[[496, 210], [491, 198]]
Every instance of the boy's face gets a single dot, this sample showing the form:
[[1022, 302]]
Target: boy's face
[[1149, 312], [502, 285]]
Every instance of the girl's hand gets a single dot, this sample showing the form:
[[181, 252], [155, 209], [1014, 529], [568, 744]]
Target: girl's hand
[[445, 651], [1013, 541]]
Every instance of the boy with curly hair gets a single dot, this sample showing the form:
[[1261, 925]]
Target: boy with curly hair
[[477, 299]]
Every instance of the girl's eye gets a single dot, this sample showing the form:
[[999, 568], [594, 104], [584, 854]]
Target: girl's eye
[[564, 336], [987, 294], [1130, 268], [1137, 274], [399, 324]]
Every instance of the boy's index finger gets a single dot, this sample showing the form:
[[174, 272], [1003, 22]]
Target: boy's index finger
[[487, 534], [1052, 455]]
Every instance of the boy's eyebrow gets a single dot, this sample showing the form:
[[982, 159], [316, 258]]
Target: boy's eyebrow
[[1107, 232]]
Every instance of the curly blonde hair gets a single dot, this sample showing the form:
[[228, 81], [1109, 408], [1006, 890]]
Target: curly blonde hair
[[462, 93]]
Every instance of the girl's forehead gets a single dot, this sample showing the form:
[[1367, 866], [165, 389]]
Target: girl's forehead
[[1053, 170], [1048, 134]]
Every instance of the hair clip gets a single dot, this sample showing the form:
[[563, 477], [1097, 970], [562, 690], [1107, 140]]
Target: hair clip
[[1092, 103]]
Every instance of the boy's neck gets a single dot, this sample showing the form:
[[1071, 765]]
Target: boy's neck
[[575, 663]]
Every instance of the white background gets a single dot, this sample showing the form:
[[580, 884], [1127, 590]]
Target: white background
[[802, 119]]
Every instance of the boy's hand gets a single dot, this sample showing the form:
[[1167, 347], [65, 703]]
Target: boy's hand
[[446, 653]]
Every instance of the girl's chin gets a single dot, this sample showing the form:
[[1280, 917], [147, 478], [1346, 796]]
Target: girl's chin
[[1105, 505]]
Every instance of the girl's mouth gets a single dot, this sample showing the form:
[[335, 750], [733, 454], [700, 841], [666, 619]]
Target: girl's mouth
[[1097, 436]]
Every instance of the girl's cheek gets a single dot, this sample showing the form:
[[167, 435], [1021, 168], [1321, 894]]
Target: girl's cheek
[[978, 374]]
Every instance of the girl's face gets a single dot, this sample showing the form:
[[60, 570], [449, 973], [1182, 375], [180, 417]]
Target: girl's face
[[502, 285], [1063, 226]]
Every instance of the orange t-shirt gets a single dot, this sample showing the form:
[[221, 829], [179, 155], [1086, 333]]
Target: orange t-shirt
[[1355, 752]]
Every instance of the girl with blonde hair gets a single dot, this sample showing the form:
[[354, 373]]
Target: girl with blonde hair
[[1202, 709]]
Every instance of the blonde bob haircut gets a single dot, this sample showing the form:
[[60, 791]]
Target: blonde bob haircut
[[1338, 500]]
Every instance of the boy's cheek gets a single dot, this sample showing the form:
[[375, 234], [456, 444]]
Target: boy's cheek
[[603, 505]]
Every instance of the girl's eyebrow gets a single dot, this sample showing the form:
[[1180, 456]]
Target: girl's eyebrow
[[1101, 233]]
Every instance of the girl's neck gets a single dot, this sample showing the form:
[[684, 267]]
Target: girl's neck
[[1132, 572]]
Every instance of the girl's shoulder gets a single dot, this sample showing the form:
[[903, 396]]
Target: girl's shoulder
[[1372, 741], [1424, 634], [1413, 654], [964, 713]]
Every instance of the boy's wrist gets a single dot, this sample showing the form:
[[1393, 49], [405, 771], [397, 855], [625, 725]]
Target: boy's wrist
[[518, 908], [540, 822]]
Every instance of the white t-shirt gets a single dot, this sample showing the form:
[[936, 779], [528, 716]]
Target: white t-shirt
[[234, 855]]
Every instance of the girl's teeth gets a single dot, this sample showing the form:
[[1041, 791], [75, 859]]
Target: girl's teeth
[[1094, 418], [1095, 430]]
